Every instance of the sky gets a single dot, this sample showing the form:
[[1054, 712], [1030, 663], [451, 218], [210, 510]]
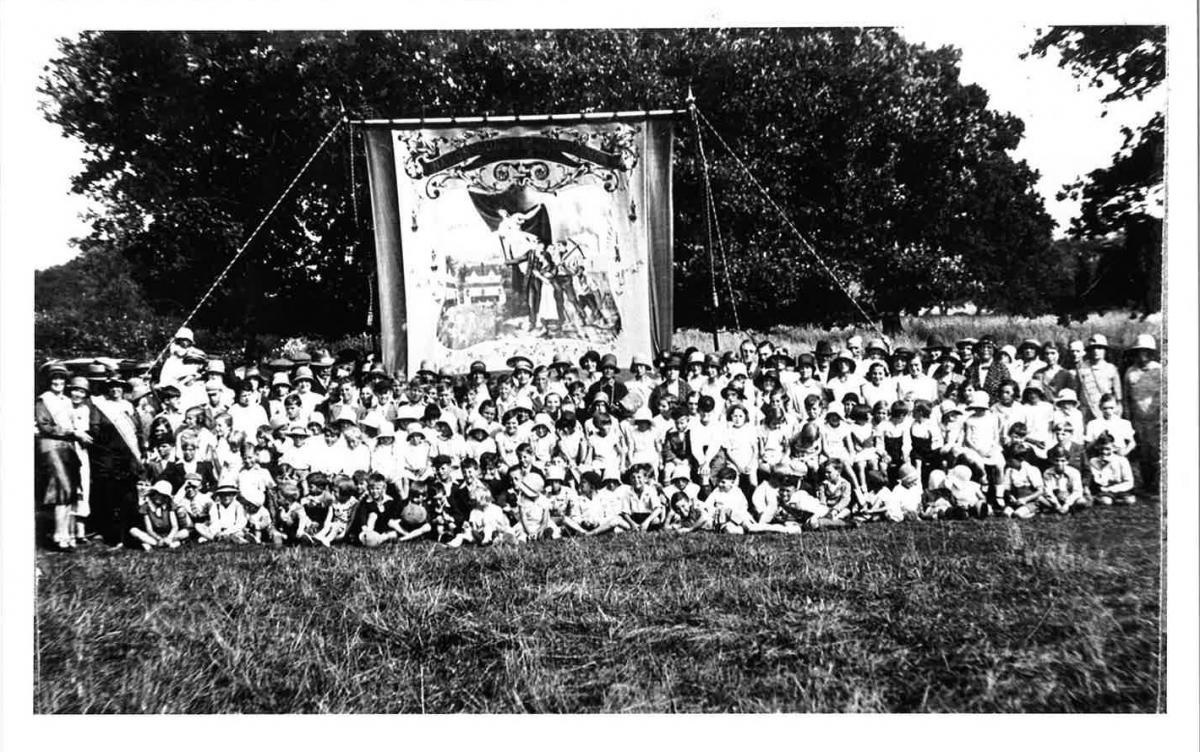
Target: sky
[[1065, 135]]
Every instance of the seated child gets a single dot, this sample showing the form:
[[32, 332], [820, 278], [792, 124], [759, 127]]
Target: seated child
[[341, 513], [1022, 484], [1111, 478], [533, 511], [307, 515], [642, 504], [160, 521], [559, 496], [937, 501], [966, 496], [833, 492], [597, 508], [192, 504], [487, 523], [227, 518], [903, 500], [731, 510], [687, 515], [1063, 484]]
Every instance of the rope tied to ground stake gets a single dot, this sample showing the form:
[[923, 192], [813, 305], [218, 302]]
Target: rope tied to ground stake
[[261, 223], [788, 221]]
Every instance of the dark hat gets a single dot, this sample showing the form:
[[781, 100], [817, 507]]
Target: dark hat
[[782, 360], [935, 342], [79, 382], [56, 368], [986, 339], [589, 355], [520, 363], [824, 349], [97, 371], [301, 358], [806, 359], [609, 361], [902, 352], [280, 364], [479, 367], [169, 391], [323, 359], [672, 360], [195, 355]]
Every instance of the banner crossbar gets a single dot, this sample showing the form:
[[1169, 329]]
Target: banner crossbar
[[560, 118]]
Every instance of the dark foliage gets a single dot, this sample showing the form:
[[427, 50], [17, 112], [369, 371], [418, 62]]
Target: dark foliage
[[898, 173]]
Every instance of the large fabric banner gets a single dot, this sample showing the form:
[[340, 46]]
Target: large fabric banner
[[532, 239]]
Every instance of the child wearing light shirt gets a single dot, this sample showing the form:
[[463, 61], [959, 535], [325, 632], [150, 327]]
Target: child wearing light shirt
[[227, 518], [1022, 483], [1063, 484], [1111, 478], [1116, 427]]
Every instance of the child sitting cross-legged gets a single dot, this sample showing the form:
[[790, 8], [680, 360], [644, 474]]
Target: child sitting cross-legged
[[341, 513], [597, 508], [487, 524], [937, 501], [966, 496], [227, 517], [903, 500], [1022, 483], [642, 504], [160, 522], [1111, 478], [1065, 491], [731, 510]]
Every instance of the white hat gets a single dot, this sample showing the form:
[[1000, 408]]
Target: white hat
[[855, 340], [531, 484], [386, 429], [1097, 340], [163, 487], [415, 429], [295, 429], [642, 414], [949, 406], [1010, 351], [280, 379], [185, 333], [1066, 395], [555, 472], [372, 420], [1144, 342], [980, 401], [543, 420], [736, 368], [679, 470], [317, 418], [836, 408]]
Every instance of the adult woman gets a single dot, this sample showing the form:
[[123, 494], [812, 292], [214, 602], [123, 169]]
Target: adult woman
[[58, 465]]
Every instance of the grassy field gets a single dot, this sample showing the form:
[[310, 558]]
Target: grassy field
[[996, 616], [1120, 328]]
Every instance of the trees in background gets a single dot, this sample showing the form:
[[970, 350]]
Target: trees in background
[[899, 174], [1121, 204]]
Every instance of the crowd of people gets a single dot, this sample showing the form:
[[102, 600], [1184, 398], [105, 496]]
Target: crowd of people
[[322, 451]]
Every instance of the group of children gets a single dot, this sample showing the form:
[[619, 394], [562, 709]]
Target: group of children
[[329, 451]]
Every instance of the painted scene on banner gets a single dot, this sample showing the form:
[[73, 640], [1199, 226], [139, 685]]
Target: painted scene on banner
[[522, 240]]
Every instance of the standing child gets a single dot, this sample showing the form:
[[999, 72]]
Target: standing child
[[981, 446]]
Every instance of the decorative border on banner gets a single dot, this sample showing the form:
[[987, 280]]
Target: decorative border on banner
[[548, 160]]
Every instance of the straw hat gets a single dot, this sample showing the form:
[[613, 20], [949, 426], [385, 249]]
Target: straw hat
[[162, 487], [1097, 341], [1144, 342], [531, 484]]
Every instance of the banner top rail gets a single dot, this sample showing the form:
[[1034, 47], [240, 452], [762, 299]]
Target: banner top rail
[[559, 118]]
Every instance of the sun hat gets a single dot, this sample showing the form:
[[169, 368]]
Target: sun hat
[[555, 472], [79, 383], [908, 472], [195, 355], [679, 470], [980, 401], [414, 430], [934, 342], [949, 406], [316, 418], [696, 357], [301, 358], [162, 487], [56, 368], [609, 361], [1144, 342], [966, 342], [323, 359], [638, 361], [303, 373], [1030, 342], [167, 392], [1066, 395], [737, 368], [543, 420], [295, 429], [642, 415], [227, 484], [531, 484], [836, 408], [877, 344], [1010, 351], [560, 360], [1097, 341], [1034, 386], [280, 378], [520, 363], [185, 334], [386, 430], [600, 396], [845, 356], [215, 366]]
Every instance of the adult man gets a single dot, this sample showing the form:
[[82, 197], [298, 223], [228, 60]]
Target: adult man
[[1143, 393], [115, 461]]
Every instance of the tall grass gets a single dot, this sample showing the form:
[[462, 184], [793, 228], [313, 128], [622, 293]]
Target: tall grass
[[1120, 328], [995, 616]]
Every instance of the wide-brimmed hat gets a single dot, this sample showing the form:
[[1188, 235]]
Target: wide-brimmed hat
[[386, 429], [824, 349], [79, 382], [671, 360], [609, 361], [227, 484], [303, 373], [966, 342], [279, 364], [935, 342], [695, 357], [322, 359], [877, 344], [1144, 342], [559, 360], [301, 358], [192, 479], [531, 484], [1097, 341], [642, 415], [1066, 395], [140, 391], [280, 378], [162, 487], [1030, 342], [902, 352], [195, 355], [846, 356], [415, 429], [165, 392], [980, 401]]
